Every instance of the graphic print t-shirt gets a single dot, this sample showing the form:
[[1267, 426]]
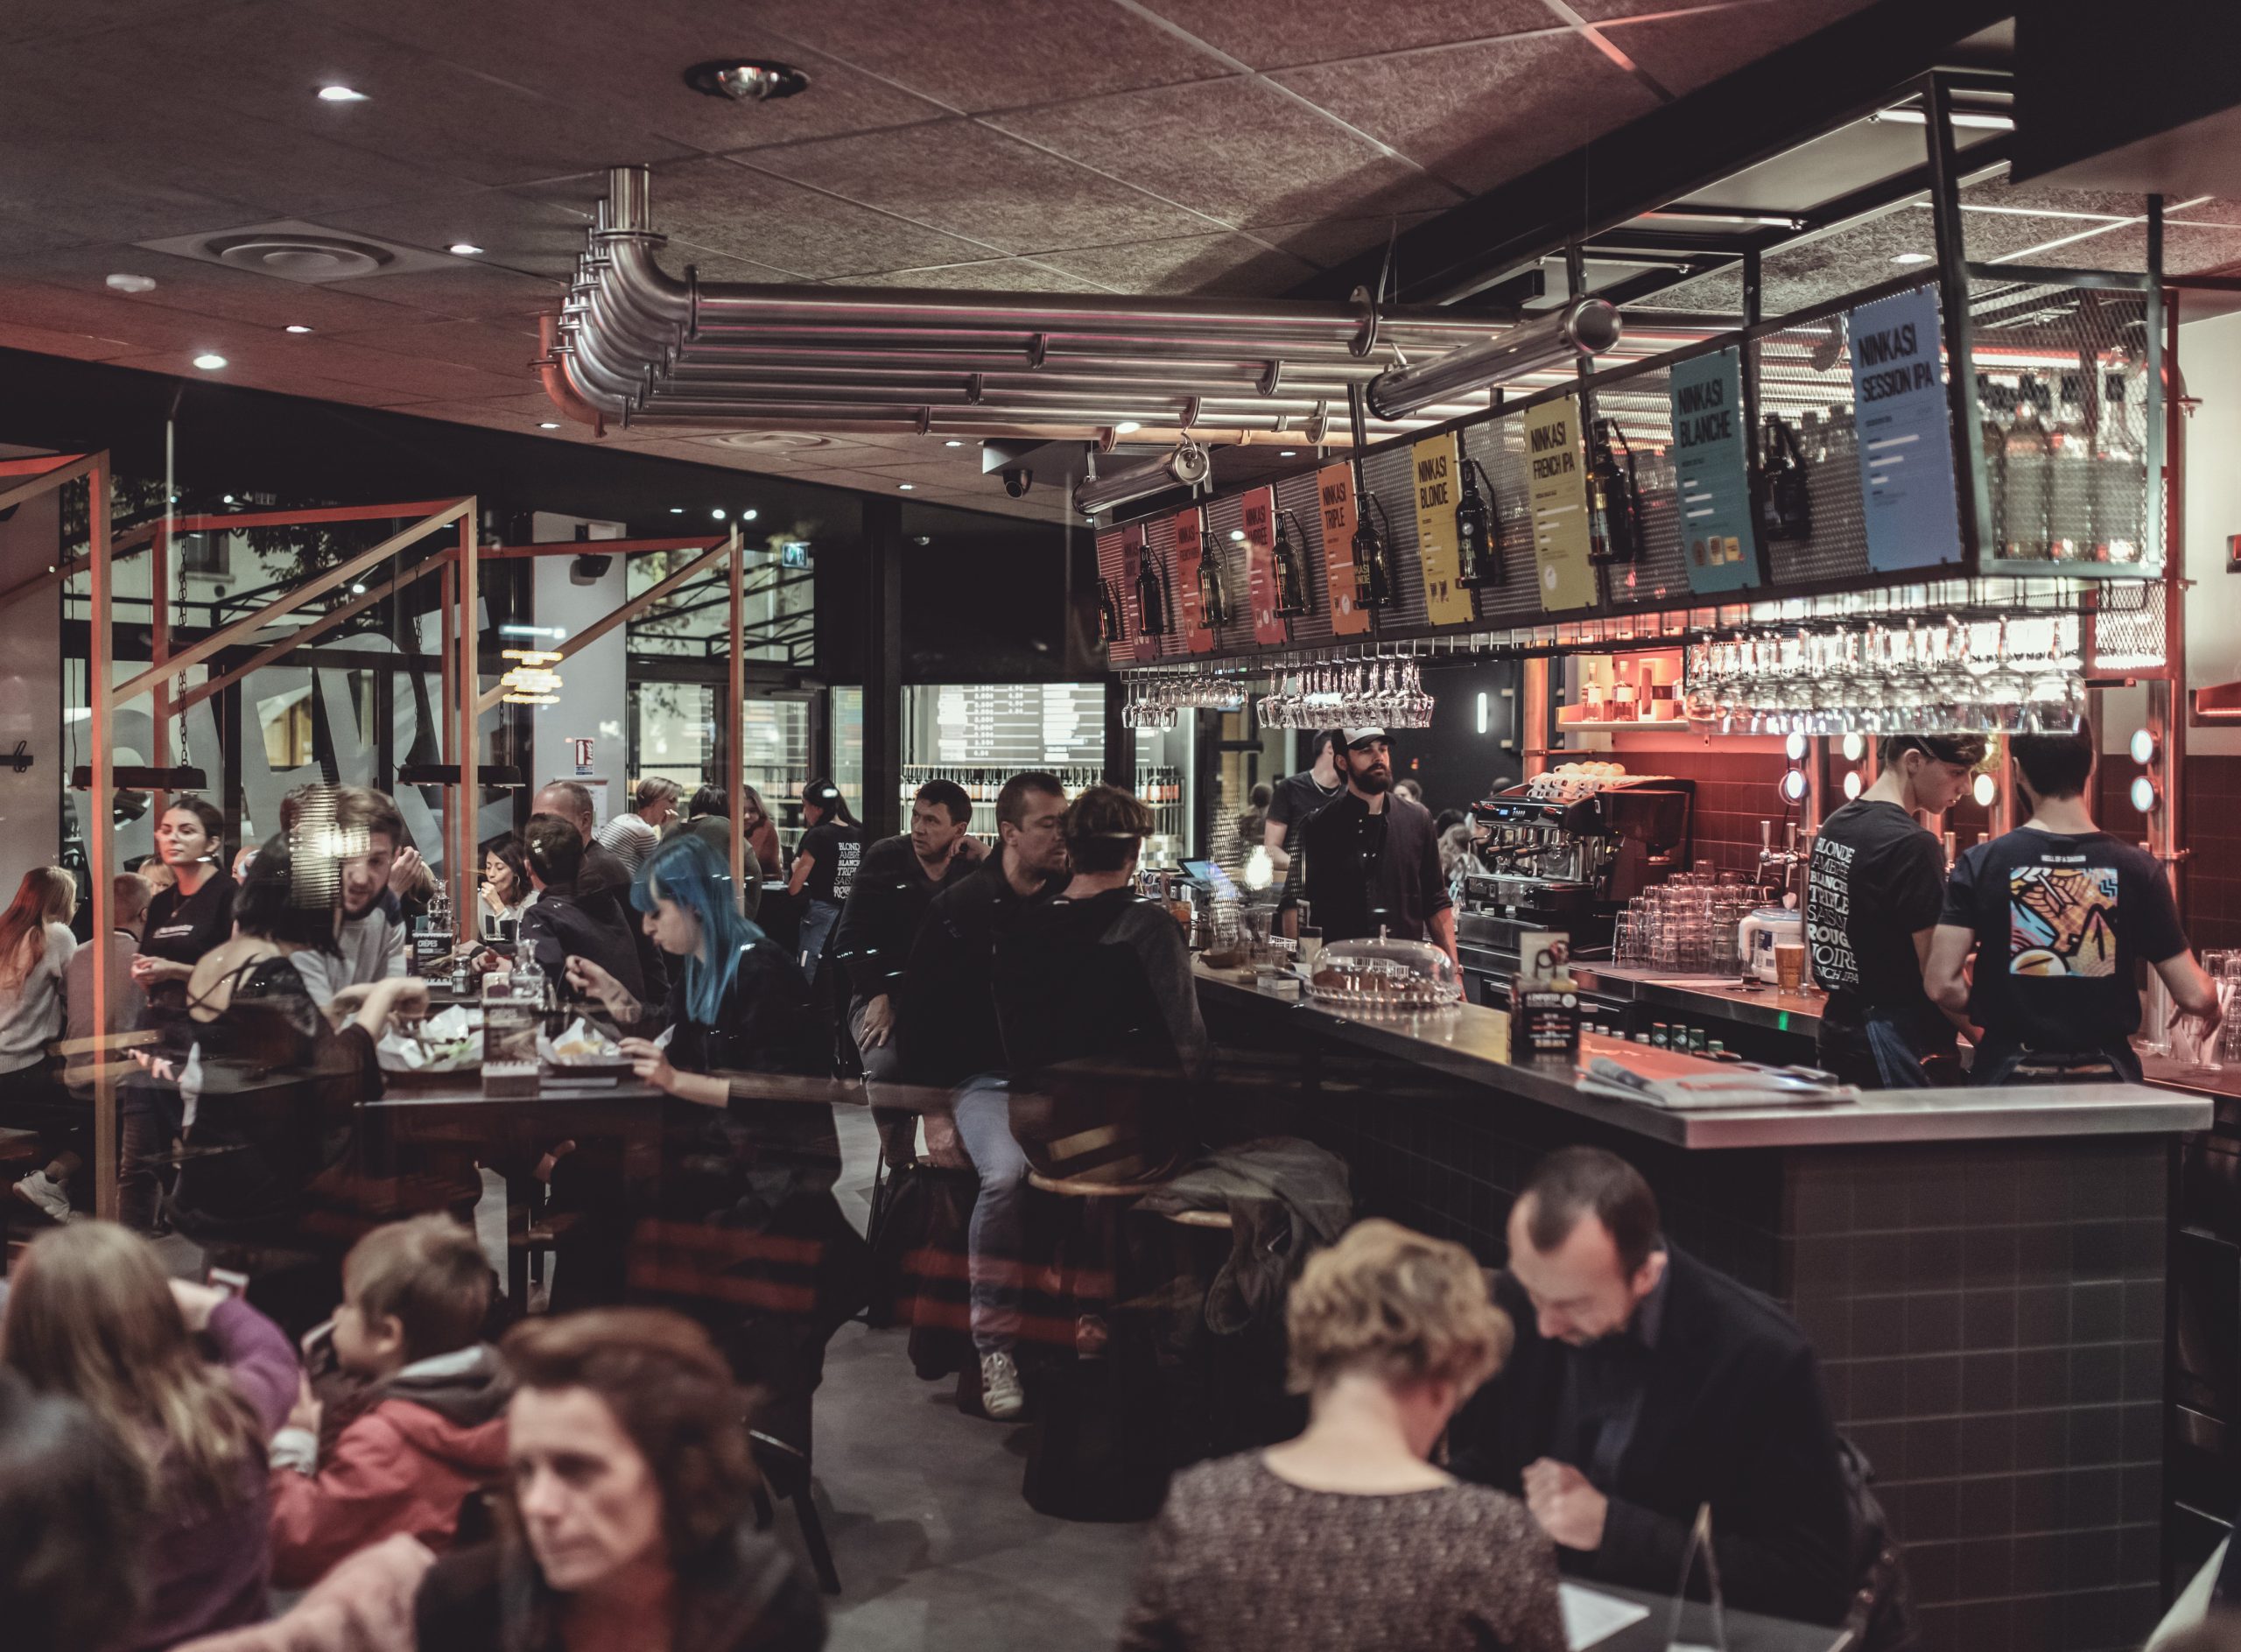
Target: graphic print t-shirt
[[1876, 878], [2062, 923], [834, 851]]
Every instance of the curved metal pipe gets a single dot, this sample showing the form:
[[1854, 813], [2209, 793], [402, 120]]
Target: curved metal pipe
[[552, 370]]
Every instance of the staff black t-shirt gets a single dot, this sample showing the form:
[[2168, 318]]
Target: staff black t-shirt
[[835, 850], [2062, 923], [180, 929], [1297, 800], [1876, 878]]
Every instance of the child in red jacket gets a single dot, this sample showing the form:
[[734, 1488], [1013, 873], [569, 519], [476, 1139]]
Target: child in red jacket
[[414, 1297]]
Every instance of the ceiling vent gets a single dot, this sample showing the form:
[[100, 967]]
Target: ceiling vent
[[779, 442], [295, 251]]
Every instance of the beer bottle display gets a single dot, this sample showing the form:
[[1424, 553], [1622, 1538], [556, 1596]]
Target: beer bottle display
[[1478, 533]]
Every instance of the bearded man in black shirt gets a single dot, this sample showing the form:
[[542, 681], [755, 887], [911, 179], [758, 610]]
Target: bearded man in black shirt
[[1875, 885]]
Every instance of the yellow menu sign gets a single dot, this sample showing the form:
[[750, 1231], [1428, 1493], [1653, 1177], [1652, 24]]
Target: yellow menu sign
[[1558, 492], [1334, 498], [1446, 599]]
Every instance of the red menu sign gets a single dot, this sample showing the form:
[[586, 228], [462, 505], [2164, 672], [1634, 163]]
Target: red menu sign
[[1133, 554], [1334, 493], [1190, 551], [1260, 551]]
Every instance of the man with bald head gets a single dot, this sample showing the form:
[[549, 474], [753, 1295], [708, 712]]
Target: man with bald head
[[1645, 1385], [603, 881]]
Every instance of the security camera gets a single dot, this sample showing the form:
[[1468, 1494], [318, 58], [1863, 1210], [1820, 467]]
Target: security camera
[[1017, 480], [588, 569]]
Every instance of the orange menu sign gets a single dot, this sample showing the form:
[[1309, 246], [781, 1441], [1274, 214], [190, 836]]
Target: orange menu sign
[[1334, 495], [1189, 549], [1260, 551]]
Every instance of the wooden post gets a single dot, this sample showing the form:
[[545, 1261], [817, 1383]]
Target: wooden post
[[468, 809], [1533, 717], [101, 827], [735, 720]]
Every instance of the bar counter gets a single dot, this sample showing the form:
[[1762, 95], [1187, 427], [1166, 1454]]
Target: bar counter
[[1982, 1273]]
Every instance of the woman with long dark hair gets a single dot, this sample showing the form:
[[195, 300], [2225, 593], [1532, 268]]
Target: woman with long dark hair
[[825, 866], [35, 949], [507, 891]]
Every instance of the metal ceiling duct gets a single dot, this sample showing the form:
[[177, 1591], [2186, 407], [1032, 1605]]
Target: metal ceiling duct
[[639, 346], [1188, 466], [1583, 328]]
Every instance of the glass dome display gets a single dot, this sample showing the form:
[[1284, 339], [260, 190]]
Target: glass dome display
[[1385, 977]]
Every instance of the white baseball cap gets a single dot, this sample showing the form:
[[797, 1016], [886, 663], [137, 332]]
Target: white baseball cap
[[1355, 736]]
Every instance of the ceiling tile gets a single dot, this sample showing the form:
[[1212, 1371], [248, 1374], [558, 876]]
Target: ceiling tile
[[994, 275], [637, 74], [113, 315], [1334, 241], [24, 20], [984, 54], [1217, 263], [471, 291], [1238, 150], [203, 289], [1614, 11], [727, 207], [1696, 48], [1271, 34], [490, 347], [964, 177], [1482, 114], [543, 237], [82, 347]]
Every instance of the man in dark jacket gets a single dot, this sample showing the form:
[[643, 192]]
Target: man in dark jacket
[[947, 1035], [1369, 860], [1645, 1385], [602, 881], [895, 883], [560, 924]]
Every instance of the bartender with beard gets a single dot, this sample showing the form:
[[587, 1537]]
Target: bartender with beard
[[1372, 857]]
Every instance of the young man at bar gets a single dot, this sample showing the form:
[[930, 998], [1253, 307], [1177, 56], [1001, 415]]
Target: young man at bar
[[371, 947], [1875, 887], [634, 835], [2061, 917], [895, 883], [1298, 798], [946, 1035], [602, 879], [1645, 1385], [1372, 858]]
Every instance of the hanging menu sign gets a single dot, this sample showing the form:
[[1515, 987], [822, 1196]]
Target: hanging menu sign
[[1334, 495], [1446, 597], [1903, 427], [1260, 553], [1558, 495], [1719, 546], [1190, 550]]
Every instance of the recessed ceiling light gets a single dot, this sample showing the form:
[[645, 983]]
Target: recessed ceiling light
[[749, 514], [907, 486], [210, 361], [357, 590], [340, 94], [1289, 452], [230, 499], [546, 424], [465, 248], [718, 513], [952, 442], [296, 326], [1910, 257], [746, 79], [132, 283], [1127, 427]]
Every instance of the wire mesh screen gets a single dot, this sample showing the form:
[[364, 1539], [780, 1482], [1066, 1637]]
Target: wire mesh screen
[[2063, 404]]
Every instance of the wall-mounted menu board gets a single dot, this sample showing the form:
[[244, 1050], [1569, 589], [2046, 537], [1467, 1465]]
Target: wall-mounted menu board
[[1013, 725]]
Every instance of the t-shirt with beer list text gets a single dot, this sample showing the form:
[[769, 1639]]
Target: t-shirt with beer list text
[[834, 851], [2062, 922], [1875, 878]]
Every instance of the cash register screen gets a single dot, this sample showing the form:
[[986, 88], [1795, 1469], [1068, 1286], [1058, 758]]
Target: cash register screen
[[1213, 876]]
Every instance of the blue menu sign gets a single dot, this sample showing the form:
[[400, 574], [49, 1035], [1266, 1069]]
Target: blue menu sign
[[1717, 545], [1901, 420]]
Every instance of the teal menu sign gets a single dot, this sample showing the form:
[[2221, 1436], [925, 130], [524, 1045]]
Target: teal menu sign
[[1904, 433], [1712, 470]]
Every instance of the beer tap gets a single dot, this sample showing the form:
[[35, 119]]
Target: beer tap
[[1786, 863]]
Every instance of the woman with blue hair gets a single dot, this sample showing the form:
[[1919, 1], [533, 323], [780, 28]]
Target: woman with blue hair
[[746, 1218]]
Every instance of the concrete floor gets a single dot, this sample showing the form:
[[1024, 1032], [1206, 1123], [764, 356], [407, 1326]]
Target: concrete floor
[[935, 1546]]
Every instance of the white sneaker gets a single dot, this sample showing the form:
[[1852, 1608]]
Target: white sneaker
[[45, 1195], [1001, 1396]]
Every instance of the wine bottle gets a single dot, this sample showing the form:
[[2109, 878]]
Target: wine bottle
[[1151, 601], [1478, 531], [1614, 502], [1291, 574]]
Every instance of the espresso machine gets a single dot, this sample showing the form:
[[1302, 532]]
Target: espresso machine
[[1567, 856]]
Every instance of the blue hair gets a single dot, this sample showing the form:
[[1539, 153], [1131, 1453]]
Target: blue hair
[[690, 873]]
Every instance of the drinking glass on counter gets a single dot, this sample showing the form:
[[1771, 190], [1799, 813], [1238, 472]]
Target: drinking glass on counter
[[1310, 946], [1789, 964]]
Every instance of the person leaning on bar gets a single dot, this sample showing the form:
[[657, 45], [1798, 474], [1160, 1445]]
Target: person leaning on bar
[[1645, 1385], [1877, 885], [2061, 915], [1372, 859]]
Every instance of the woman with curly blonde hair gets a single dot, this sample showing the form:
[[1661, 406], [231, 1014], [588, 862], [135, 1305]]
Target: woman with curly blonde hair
[[1348, 1536]]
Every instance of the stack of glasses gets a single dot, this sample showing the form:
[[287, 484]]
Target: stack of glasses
[[1688, 924]]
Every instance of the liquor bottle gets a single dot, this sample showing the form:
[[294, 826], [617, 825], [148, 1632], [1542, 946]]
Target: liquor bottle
[[2069, 479], [1291, 572], [1373, 586], [2119, 481], [1151, 598], [1108, 615], [1478, 531], [1992, 435], [1614, 505], [2025, 460], [1213, 594]]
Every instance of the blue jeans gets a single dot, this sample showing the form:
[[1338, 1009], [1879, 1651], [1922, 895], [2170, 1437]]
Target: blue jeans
[[818, 919], [982, 1107]]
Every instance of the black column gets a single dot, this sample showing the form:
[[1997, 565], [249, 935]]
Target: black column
[[882, 655], [1120, 739]]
